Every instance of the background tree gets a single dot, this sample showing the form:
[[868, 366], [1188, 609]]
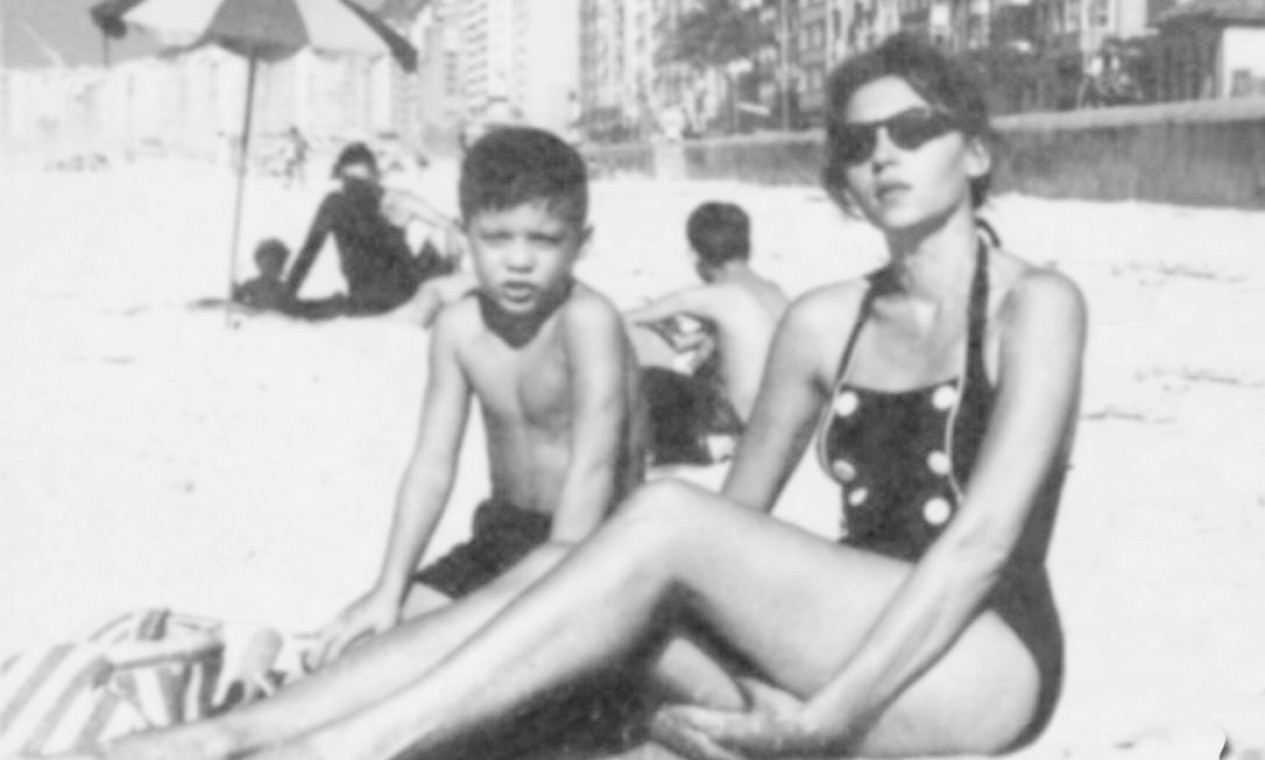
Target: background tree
[[713, 37]]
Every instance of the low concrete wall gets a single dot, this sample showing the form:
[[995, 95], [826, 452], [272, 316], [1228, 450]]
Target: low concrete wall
[[1198, 153]]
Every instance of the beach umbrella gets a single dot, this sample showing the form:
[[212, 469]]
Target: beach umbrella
[[261, 31]]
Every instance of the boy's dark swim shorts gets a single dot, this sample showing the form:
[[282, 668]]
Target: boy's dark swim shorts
[[503, 534]]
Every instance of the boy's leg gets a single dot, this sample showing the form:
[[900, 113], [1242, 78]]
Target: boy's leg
[[422, 600]]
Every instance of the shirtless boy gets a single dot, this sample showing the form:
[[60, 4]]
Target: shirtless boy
[[548, 361], [556, 378], [734, 315]]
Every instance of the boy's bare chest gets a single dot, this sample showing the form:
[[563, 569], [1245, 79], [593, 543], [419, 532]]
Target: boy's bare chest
[[529, 385]]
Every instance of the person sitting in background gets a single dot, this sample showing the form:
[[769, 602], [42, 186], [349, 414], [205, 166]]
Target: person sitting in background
[[448, 282], [380, 270], [267, 290], [703, 348]]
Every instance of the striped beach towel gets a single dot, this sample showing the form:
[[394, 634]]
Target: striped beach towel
[[132, 672]]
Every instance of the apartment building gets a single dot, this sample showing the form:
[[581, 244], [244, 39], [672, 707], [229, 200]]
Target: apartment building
[[623, 84], [520, 60], [1210, 49]]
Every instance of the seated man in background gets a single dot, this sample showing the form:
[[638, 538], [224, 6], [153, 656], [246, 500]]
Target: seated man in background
[[380, 270], [703, 348]]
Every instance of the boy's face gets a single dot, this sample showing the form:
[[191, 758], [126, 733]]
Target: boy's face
[[523, 256], [271, 267]]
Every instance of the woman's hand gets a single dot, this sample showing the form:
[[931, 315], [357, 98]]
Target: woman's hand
[[777, 724]]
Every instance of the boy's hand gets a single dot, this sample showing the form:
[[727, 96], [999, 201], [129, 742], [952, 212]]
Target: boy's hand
[[370, 615]]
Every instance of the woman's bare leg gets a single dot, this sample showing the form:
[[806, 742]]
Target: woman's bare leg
[[364, 675], [801, 608]]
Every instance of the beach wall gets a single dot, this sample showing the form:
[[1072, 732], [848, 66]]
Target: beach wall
[[1208, 153]]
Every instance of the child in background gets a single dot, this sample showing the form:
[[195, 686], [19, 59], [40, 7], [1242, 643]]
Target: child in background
[[709, 341], [267, 290]]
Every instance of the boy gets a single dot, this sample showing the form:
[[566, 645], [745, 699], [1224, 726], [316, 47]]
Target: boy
[[722, 330], [267, 290], [552, 369]]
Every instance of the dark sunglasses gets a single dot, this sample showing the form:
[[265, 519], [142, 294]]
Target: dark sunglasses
[[909, 130]]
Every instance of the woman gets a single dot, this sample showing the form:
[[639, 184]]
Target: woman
[[944, 387]]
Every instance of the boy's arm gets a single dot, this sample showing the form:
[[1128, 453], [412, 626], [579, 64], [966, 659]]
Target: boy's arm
[[600, 417], [423, 492], [431, 471]]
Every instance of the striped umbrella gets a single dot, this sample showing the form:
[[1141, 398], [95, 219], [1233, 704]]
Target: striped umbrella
[[259, 30]]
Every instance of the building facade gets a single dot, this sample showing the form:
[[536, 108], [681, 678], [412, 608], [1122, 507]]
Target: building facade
[[520, 60], [1211, 49]]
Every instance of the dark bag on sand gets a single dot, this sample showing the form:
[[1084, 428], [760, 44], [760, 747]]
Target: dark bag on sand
[[689, 414]]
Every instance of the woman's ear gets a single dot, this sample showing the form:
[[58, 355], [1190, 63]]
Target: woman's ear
[[586, 240], [844, 200], [837, 188], [979, 158]]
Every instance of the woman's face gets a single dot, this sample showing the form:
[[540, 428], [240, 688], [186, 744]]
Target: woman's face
[[910, 165]]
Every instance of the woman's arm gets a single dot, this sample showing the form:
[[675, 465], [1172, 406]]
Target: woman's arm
[[1039, 384], [322, 226], [792, 392]]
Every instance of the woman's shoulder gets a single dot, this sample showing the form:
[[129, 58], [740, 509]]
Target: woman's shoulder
[[1024, 289], [834, 304]]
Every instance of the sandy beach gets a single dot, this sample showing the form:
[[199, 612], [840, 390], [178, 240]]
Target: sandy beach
[[152, 456]]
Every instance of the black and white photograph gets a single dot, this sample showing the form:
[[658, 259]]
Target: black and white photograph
[[632, 379]]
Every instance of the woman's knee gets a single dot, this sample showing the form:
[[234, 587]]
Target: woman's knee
[[663, 508]]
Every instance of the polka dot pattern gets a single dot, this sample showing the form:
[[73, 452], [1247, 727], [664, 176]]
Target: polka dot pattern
[[937, 511]]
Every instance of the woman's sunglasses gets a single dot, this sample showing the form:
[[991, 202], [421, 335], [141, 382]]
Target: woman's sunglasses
[[908, 130]]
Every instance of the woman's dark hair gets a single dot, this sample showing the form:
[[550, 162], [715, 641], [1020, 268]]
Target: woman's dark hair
[[355, 153], [719, 232], [945, 82]]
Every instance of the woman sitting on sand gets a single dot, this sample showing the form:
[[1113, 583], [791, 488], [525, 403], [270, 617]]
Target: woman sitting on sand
[[380, 270], [944, 389]]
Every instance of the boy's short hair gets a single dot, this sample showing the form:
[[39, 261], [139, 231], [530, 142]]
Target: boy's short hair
[[719, 232], [510, 166], [355, 153], [271, 249]]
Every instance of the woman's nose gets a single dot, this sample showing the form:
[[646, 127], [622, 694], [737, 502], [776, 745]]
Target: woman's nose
[[884, 148]]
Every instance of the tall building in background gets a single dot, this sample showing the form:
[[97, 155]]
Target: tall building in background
[[424, 109], [520, 60], [439, 108], [620, 90]]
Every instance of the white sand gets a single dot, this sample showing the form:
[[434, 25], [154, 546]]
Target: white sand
[[151, 456]]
